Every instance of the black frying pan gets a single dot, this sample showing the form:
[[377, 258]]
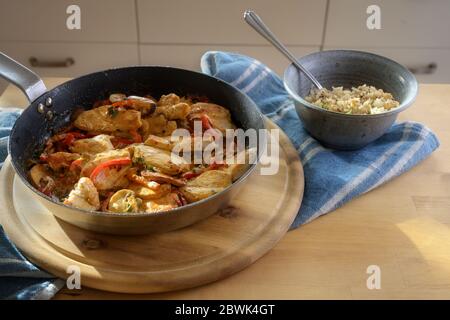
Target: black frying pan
[[49, 111]]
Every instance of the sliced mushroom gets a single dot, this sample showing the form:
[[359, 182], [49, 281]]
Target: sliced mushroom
[[124, 200], [145, 105], [116, 97], [37, 173]]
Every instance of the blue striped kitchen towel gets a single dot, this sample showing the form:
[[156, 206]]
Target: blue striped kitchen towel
[[19, 279], [332, 177]]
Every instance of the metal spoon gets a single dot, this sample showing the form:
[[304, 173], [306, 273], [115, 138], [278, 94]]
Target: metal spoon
[[256, 23]]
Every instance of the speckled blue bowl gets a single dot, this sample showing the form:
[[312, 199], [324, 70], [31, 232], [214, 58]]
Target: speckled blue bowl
[[349, 68]]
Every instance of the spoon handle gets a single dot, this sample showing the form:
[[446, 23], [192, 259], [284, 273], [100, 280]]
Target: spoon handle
[[256, 23]]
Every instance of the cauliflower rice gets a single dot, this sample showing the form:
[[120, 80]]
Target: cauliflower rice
[[361, 100]]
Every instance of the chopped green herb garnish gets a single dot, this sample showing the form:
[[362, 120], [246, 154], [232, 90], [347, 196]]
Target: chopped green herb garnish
[[112, 112], [139, 160]]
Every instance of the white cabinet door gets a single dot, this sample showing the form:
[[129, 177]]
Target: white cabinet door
[[297, 22], [188, 56], [45, 20], [404, 23], [87, 57], [428, 65]]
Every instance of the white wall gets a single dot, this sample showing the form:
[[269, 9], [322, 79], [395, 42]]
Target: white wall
[[176, 32]]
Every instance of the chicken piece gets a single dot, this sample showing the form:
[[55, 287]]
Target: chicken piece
[[107, 119], [192, 147], [211, 178], [152, 185], [162, 178], [219, 116], [177, 111], [84, 195], [112, 178], [168, 202], [150, 194], [194, 194], [95, 160], [97, 144], [157, 125], [161, 160], [170, 127], [59, 160], [206, 184], [124, 200], [168, 100], [237, 169], [185, 144], [163, 143]]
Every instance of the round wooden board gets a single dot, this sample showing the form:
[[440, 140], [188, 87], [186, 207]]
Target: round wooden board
[[215, 248]]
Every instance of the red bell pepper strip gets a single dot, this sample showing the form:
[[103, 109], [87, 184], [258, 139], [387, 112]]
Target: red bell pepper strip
[[117, 141], [136, 136], [43, 157], [101, 103], [127, 103], [70, 137], [206, 122], [215, 166], [113, 162], [190, 175]]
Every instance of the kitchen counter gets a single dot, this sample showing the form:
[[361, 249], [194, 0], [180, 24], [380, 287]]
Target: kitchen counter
[[403, 227]]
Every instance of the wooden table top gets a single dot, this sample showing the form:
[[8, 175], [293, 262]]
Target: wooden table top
[[402, 226]]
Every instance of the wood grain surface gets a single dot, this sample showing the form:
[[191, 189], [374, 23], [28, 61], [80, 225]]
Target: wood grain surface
[[402, 226], [256, 219]]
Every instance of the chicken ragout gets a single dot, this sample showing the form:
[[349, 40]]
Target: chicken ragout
[[117, 156]]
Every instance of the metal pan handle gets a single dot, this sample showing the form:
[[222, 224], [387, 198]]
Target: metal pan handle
[[25, 79]]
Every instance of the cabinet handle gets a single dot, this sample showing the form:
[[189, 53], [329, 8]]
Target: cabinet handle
[[428, 69], [35, 62]]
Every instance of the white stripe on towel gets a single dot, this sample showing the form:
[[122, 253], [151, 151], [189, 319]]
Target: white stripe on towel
[[280, 114], [284, 105], [246, 73], [305, 143], [255, 81], [351, 185], [311, 153]]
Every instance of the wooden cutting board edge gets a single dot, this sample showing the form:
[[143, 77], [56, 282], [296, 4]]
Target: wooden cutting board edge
[[43, 254]]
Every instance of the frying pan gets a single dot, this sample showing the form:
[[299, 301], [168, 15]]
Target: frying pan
[[51, 110]]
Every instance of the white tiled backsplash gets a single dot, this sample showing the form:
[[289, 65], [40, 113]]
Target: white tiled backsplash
[[177, 32]]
